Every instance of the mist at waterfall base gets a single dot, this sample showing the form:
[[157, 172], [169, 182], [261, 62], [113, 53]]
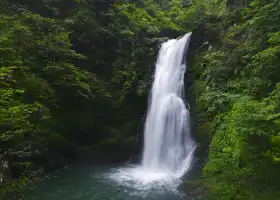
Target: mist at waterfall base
[[168, 147]]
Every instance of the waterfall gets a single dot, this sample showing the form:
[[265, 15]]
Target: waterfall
[[168, 145]]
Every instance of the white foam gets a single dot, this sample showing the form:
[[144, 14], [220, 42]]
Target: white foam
[[168, 146]]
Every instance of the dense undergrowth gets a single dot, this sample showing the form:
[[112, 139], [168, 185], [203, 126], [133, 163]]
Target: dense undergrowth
[[75, 77], [238, 102]]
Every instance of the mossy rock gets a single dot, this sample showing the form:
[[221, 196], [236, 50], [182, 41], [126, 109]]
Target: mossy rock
[[194, 188]]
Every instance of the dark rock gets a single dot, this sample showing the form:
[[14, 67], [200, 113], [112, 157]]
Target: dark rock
[[53, 161], [5, 172], [194, 189], [36, 172]]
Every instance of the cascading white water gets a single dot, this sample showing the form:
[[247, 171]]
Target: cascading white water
[[168, 147]]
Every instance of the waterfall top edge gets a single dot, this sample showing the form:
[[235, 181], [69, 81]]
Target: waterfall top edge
[[186, 35]]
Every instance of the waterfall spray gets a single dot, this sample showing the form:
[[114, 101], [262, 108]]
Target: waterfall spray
[[168, 145]]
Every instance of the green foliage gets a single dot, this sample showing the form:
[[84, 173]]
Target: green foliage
[[240, 97], [74, 79]]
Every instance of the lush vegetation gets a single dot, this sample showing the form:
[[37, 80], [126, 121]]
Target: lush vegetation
[[75, 76], [238, 102]]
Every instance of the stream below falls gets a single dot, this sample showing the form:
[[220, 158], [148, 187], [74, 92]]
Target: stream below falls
[[106, 183]]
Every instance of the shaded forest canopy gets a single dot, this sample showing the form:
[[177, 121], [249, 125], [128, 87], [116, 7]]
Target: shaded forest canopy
[[75, 75]]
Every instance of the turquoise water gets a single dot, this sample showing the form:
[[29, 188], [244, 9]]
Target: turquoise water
[[100, 183]]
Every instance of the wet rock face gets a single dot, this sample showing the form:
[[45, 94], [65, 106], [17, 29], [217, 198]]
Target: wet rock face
[[29, 160], [195, 189], [4, 170]]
